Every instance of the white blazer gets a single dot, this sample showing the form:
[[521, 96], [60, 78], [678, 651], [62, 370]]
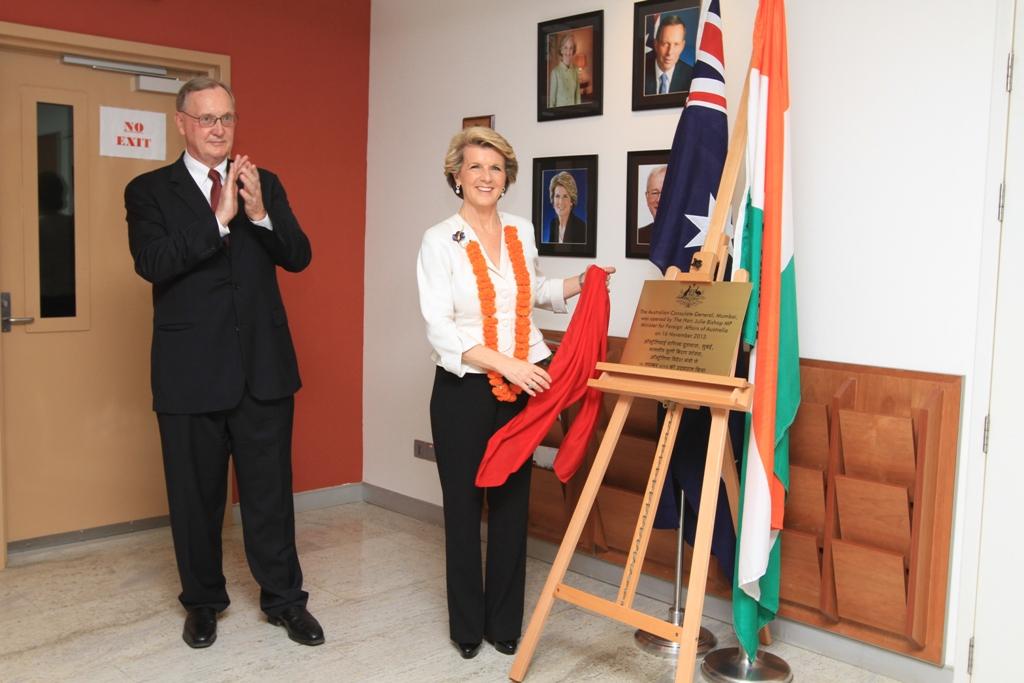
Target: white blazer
[[449, 299]]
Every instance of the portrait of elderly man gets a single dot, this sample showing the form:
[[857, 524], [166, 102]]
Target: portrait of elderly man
[[664, 71], [652, 195]]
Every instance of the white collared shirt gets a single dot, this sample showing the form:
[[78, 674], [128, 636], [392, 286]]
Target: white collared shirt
[[451, 305], [201, 174]]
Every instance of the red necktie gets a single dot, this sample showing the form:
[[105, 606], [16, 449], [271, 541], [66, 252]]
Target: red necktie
[[215, 197], [214, 189], [584, 344]]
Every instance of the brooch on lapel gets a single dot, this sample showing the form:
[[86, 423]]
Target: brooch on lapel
[[458, 236]]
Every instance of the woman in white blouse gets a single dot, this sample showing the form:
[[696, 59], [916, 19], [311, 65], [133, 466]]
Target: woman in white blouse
[[478, 284]]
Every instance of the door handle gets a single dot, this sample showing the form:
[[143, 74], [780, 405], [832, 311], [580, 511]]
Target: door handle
[[6, 319]]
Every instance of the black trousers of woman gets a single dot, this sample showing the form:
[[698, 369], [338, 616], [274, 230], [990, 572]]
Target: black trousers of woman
[[463, 416]]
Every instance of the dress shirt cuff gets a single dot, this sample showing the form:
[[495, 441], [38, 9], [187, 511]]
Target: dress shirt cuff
[[224, 230], [263, 222]]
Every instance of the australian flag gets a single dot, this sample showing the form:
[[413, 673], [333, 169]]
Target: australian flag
[[680, 226]]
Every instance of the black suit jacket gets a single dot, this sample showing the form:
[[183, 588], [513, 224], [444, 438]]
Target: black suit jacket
[[219, 324], [643, 234], [575, 230], [681, 76]]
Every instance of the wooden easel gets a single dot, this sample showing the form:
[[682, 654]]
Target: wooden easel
[[678, 390]]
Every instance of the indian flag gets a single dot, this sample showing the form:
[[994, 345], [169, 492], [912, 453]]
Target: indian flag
[[765, 243]]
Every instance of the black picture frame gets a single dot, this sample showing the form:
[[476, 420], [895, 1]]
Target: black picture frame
[[640, 208], [579, 237], [587, 34], [647, 20]]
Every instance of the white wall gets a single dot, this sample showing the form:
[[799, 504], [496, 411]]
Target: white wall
[[890, 122]]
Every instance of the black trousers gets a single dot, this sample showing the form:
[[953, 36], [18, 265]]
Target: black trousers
[[463, 416], [258, 434]]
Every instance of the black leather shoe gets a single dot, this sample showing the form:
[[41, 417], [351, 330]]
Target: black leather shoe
[[505, 647], [467, 650], [302, 626], [200, 627]]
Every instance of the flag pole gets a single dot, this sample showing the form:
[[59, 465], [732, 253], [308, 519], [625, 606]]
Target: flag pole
[[707, 265], [663, 647]]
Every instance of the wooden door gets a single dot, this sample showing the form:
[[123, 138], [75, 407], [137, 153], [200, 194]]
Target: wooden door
[[80, 446]]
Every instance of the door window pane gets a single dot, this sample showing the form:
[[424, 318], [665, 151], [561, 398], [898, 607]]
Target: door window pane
[[55, 151]]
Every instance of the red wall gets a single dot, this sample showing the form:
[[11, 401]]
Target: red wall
[[300, 73]]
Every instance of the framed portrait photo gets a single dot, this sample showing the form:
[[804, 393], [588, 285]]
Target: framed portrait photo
[[664, 51], [565, 205], [645, 175], [570, 67]]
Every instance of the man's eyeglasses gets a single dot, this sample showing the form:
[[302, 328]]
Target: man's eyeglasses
[[209, 120]]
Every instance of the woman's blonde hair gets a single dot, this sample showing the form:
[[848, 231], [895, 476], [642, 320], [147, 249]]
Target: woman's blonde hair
[[567, 182], [482, 137]]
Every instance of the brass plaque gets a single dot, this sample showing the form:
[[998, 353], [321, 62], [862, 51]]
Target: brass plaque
[[687, 326]]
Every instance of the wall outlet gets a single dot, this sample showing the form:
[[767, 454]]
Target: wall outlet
[[424, 450]]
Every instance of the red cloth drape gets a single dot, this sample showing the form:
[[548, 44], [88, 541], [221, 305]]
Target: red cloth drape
[[584, 344]]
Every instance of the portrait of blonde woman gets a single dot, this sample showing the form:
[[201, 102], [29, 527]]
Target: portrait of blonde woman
[[565, 226], [563, 80], [570, 66]]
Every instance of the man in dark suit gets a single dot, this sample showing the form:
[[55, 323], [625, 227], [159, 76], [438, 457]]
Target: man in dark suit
[[664, 73], [209, 234]]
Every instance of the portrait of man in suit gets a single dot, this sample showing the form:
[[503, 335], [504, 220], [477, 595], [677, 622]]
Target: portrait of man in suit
[[664, 72], [209, 233], [652, 195]]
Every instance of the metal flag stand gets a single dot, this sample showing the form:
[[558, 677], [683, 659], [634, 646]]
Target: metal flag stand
[[730, 665], [662, 647]]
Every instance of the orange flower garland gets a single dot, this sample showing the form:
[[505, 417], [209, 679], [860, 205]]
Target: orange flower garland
[[502, 389]]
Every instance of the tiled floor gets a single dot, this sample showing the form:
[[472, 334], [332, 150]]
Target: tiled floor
[[107, 611]]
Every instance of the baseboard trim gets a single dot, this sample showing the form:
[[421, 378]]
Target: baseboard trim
[[106, 531], [304, 500], [403, 505]]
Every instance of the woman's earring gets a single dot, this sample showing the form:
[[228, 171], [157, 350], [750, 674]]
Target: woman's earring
[[458, 190], [503, 191]]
